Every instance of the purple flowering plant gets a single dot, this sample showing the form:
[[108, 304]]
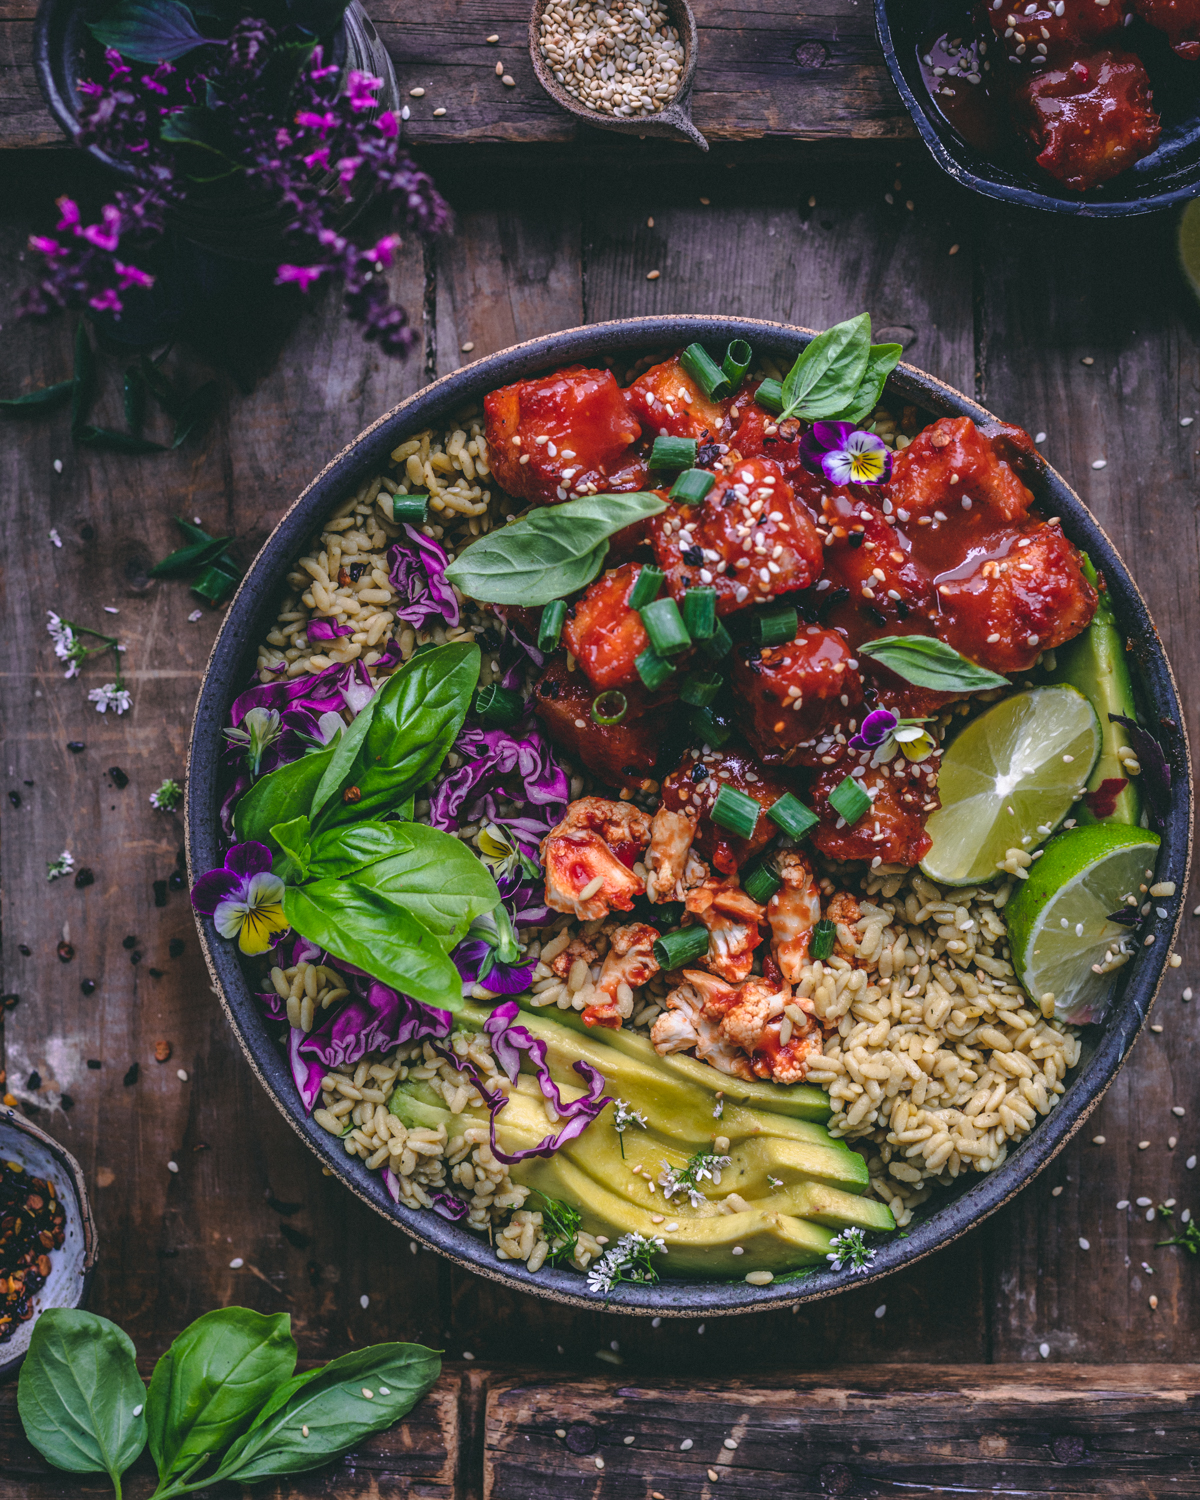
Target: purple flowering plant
[[885, 735], [257, 102], [846, 454]]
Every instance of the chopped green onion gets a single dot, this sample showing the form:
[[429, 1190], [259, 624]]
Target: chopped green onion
[[790, 814], [673, 453], [692, 486], [646, 588], [609, 707], [708, 376], [216, 582], [683, 946], [770, 396], [410, 508], [824, 935], [551, 624], [700, 688], [737, 362], [498, 707], [699, 611], [708, 729], [771, 627], [736, 811], [761, 883], [719, 645], [849, 801], [664, 625], [653, 669]]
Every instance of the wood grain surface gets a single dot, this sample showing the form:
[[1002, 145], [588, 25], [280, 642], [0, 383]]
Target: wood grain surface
[[765, 70], [886, 1430], [993, 301]]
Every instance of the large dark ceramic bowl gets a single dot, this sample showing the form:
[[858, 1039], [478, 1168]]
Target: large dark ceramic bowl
[[1171, 174], [252, 613]]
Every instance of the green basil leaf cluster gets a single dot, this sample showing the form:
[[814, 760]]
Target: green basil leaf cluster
[[930, 663], [390, 897], [840, 375], [224, 1402], [551, 552]]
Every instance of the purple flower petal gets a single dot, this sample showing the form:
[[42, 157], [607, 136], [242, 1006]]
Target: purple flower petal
[[213, 888], [876, 727], [501, 979], [832, 434], [248, 859]]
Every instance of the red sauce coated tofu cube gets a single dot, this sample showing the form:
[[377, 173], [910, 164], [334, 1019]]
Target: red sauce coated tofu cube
[[1179, 19], [669, 403], [695, 785], [759, 434], [794, 694], [603, 634], [1020, 592], [949, 461], [621, 754], [1090, 119], [586, 426], [893, 829], [867, 557], [751, 539], [1015, 26]]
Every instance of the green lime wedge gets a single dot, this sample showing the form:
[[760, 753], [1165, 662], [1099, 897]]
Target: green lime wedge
[[1058, 929], [1008, 780], [1189, 244]]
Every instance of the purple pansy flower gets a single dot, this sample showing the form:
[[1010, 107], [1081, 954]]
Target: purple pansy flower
[[846, 454], [879, 725], [418, 574], [243, 898]]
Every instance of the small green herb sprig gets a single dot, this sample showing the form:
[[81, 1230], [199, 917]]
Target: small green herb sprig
[[561, 1223], [1189, 1239], [224, 1403]]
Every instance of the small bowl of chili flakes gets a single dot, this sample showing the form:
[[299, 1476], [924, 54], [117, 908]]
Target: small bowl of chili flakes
[[47, 1233]]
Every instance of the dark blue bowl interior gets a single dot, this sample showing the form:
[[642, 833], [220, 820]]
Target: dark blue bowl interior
[[252, 613], [1171, 174]]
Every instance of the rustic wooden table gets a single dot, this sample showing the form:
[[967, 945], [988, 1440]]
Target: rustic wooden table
[[1026, 1358]]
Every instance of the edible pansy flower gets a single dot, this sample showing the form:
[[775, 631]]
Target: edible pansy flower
[[506, 852], [888, 735], [260, 728], [846, 454], [491, 956], [243, 898]]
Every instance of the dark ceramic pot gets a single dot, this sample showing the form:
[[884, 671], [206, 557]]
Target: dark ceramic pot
[[253, 610], [1170, 174], [230, 219], [72, 1266]]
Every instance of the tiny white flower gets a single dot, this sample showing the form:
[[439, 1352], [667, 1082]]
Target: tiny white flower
[[111, 696], [54, 536], [63, 865]]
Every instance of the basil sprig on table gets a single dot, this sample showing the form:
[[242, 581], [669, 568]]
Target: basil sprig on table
[[393, 898], [840, 375], [223, 1404], [930, 663], [551, 552]]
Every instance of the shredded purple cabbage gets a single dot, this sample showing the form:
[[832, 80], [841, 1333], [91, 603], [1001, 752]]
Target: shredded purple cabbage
[[492, 755], [418, 574], [516, 651], [326, 630], [508, 1042], [1156, 771], [447, 1204]]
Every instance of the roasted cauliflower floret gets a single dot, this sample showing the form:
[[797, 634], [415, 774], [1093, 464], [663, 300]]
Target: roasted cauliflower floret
[[589, 858], [629, 964], [792, 913], [674, 867], [732, 919]]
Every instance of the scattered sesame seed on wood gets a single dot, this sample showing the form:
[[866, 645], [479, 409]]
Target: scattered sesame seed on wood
[[437, 114], [499, 70], [953, 250], [508, 81], [416, 93], [493, 39], [653, 275]]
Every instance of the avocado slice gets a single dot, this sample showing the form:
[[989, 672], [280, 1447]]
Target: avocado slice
[[800, 1100], [1094, 663]]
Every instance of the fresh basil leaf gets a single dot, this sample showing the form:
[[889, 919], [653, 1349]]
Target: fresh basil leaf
[[882, 360], [439, 880], [35, 401], [409, 725], [366, 929], [549, 553], [337, 1405], [292, 838], [829, 371], [213, 1380], [191, 558], [148, 31], [275, 798], [342, 851], [930, 663], [78, 1391]]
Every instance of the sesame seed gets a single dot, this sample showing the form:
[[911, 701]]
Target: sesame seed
[[466, 349], [1087, 360], [1084, 1244], [685, 1446], [416, 93], [236, 1263], [1123, 1203], [364, 1302], [881, 1309], [1142, 1145], [730, 1443], [1098, 1140], [499, 70], [1100, 463], [1055, 1191], [653, 275], [181, 1074], [953, 250], [492, 40], [438, 113], [1044, 1350], [713, 1475], [172, 1166], [368, 1393], [508, 81]]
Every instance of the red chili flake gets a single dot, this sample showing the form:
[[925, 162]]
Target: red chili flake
[[83, 878], [162, 1050], [66, 952], [1102, 803], [160, 892], [131, 1076], [175, 947], [118, 777], [87, 987]]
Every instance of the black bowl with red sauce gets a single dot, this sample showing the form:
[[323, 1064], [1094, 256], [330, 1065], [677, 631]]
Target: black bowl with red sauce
[[252, 613], [975, 145]]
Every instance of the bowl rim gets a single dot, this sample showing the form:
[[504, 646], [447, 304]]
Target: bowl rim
[[87, 1222], [241, 628], [1027, 197]]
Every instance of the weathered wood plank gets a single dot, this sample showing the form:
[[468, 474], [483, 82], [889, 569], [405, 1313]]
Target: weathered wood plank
[[1125, 409], [901, 1430], [764, 71]]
